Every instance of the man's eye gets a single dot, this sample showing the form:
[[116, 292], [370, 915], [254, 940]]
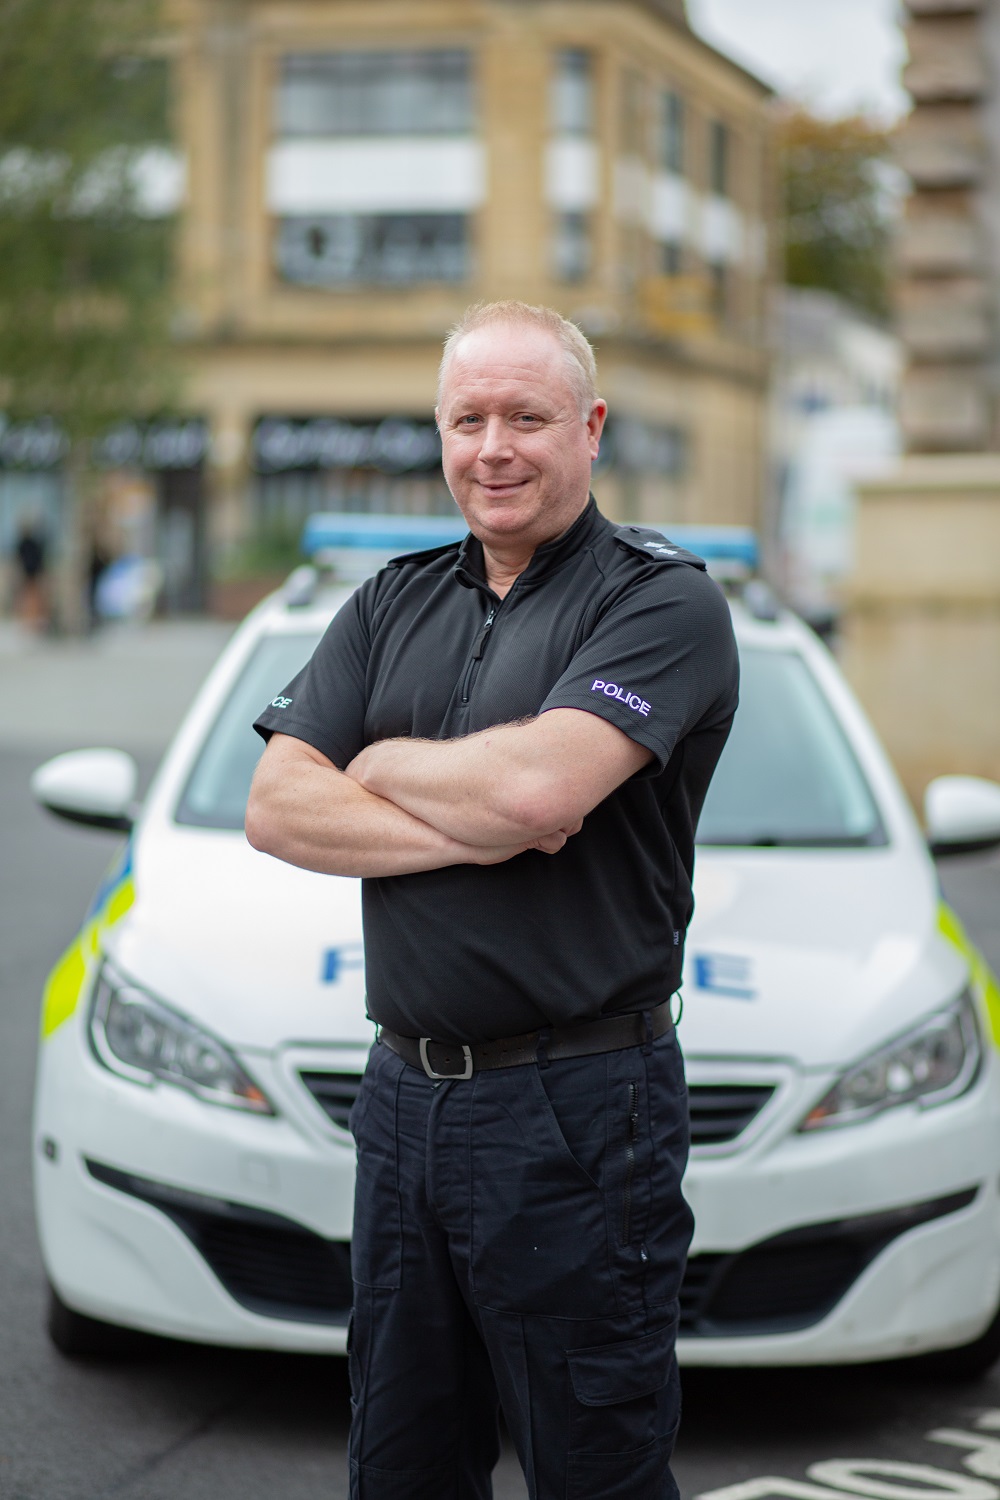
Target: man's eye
[[527, 419]]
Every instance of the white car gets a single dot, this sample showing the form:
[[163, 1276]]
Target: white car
[[202, 1041]]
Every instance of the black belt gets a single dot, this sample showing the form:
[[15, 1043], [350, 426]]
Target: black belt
[[456, 1060]]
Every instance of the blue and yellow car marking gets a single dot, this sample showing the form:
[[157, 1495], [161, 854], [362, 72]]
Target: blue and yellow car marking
[[981, 976], [72, 973]]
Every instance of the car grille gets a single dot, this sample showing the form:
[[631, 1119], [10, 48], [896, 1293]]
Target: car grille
[[334, 1093], [267, 1263], [794, 1279], [722, 1111], [719, 1112]]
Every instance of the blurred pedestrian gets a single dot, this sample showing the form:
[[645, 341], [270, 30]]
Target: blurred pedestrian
[[510, 740], [30, 559], [98, 562]]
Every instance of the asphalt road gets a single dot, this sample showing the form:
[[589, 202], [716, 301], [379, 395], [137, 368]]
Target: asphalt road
[[188, 1423]]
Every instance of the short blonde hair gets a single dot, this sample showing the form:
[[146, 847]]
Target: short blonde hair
[[581, 367]]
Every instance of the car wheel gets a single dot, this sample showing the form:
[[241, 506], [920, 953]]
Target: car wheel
[[79, 1337], [968, 1362]]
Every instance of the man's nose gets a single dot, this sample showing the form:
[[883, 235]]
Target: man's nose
[[496, 445]]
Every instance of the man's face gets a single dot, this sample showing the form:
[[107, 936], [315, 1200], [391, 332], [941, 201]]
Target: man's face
[[516, 450]]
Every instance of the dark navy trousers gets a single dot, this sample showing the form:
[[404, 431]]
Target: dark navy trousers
[[519, 1242]]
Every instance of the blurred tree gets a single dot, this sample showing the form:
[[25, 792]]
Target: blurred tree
[[838, 208], [84, 259]]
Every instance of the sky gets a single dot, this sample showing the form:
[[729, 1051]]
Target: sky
[[835, 56]]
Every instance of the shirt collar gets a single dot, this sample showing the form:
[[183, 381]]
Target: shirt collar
[[547, 558]]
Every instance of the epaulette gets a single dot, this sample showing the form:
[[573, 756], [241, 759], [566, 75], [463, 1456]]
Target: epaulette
[[655, 547], [426, 554]]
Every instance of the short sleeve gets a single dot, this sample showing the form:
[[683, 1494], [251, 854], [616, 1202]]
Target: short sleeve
[[325, 704], [660, 662]]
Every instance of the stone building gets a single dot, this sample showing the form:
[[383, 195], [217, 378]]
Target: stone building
[[358, 171], [949, 247], [922, 642]]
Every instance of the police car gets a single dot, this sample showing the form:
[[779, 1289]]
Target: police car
[[203, 1037]]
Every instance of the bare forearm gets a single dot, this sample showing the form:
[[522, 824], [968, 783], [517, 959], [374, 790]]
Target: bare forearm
[[457, 786], [534, 781], [319, 819]]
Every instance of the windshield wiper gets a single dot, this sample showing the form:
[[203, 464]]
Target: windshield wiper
[[875, 838]]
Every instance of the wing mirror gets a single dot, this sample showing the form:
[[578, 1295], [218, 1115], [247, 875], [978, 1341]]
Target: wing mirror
[[962, 814], [92, 787]]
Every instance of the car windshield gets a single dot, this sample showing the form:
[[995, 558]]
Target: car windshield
[[787, 775], [218, 787]]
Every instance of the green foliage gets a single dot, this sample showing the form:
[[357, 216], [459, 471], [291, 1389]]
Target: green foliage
[[84, 272], [837, 222], [272, 549]]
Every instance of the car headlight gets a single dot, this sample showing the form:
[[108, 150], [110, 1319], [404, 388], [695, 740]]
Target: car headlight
[[935, 1062], [138, 1037]]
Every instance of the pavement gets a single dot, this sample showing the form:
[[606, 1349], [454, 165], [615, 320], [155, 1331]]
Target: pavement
[[126, 685], [187, 1423]]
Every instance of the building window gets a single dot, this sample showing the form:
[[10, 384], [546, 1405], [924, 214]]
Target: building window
[[671, 258], [719, 287], [633, 111], [375, 93], [378, 249], [572, 99], [671, 142], [571, 247], [718, 159]]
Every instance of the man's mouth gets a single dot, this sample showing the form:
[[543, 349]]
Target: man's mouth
[[500, 486]]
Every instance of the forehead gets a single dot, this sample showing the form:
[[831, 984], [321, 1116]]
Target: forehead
[[506, 356]]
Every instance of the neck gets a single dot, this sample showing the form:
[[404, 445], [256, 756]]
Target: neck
[[503, 565]]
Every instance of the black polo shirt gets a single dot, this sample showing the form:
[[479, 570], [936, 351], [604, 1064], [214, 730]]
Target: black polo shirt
[[612, 620]]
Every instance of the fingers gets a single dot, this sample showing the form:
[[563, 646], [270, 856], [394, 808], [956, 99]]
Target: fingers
[[551, 843]]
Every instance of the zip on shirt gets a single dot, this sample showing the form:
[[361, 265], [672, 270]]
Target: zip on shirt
[[479, 646]]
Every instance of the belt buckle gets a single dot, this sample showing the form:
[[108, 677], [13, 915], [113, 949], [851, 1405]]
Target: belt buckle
[[425, 1063]]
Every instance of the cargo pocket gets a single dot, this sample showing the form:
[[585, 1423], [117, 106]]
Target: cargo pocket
[[626, 1407]]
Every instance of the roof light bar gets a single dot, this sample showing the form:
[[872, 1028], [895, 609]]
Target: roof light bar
[[354, 546], [730, 551], [334, 531]]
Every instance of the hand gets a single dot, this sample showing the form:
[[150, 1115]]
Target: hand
[[549, 843]]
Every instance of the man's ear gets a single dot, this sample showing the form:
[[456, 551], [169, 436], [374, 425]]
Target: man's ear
[[595, 425]]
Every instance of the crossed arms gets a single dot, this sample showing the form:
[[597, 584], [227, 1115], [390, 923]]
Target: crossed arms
[[406, 805]]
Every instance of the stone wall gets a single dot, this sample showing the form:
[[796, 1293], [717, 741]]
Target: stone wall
[[922, 633]]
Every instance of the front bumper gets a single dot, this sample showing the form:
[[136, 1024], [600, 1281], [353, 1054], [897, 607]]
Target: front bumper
[[158, 1212], [871, 1242]]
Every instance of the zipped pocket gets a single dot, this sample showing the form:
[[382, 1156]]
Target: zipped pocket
[[478, 648], [631, 1132]]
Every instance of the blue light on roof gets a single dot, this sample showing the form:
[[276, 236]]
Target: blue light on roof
[[386, 534], [724, 546], [717, 544]]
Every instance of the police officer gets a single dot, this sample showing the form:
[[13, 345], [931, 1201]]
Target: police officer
[[510, 740]]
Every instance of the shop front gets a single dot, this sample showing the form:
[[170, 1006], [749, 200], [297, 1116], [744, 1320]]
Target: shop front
[[388, 465], [149, 502]]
